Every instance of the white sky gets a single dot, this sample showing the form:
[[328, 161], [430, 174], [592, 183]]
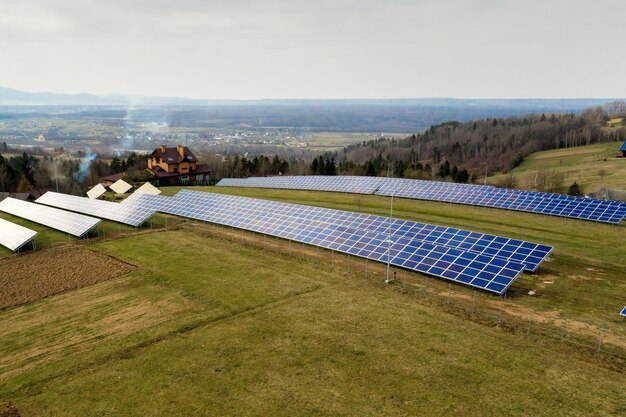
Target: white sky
[[247, 49]]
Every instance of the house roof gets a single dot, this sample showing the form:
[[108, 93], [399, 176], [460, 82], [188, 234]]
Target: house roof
[[115, 177], [623, 148], [172, 156], [161, 173]]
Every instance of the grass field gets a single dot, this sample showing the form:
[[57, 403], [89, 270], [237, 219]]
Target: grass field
[[593, 167], [217, 322]]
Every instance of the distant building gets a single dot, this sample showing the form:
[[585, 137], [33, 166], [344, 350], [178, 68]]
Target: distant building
[[40, 139], [172, 166], [623, 150], [109, 180]]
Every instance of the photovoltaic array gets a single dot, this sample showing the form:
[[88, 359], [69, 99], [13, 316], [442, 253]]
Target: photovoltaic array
[[343, 184], [72, 223], [14, 236], [487, 196], [130, 214], [471, 194], [485, 261]]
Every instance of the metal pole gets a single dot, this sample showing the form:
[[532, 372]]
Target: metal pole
[[485, 173], [388, 280]]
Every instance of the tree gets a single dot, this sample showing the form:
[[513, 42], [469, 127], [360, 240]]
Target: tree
[[398, 169], [26, 168], [575, 189], [116, 165], [314, 168], [24, 185]]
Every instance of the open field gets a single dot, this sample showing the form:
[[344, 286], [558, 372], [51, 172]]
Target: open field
[[592, 167], [212, 321], [332, 141]]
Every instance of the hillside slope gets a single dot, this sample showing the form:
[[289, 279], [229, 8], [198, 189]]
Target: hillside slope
[[592, 167]]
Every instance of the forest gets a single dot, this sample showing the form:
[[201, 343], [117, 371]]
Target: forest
[[489, 145]]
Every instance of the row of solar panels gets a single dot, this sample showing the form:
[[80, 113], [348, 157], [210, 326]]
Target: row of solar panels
[[480, 260], [66, 213], [471, 194], [121, 187]]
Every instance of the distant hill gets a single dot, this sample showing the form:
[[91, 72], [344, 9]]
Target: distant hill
[[497, 144], [12, 97]]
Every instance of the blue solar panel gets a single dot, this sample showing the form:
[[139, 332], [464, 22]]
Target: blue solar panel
[[472, 194], [623, 313], [310, 225], [343, 184], [488, 196], [527, 253]]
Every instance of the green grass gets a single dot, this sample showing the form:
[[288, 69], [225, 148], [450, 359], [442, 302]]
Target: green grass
[[206, 326], [592, 167], [269, 335]]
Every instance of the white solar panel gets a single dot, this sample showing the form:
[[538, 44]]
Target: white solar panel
[[72, 223], [120, 186], [148, 188], [131, 214], [14, 236], [96, 191]]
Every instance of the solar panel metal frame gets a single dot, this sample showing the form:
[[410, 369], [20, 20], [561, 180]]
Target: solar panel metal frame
[[14, 236], [65, 221], [133, 215], [405, 253]]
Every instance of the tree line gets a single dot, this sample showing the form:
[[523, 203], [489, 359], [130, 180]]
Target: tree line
[[498, 144], [73, 175]]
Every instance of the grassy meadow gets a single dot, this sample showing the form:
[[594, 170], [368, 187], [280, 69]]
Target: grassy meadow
[[592, 167], [218, 322]]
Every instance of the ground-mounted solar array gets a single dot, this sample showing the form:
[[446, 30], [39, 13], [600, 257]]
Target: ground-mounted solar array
[[71, 223], [343, 184], [417, 246], [471, 194], [133, 215], [14, 236], [487, 196]]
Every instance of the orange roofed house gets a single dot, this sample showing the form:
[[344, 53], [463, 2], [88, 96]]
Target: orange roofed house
[[172, 166]]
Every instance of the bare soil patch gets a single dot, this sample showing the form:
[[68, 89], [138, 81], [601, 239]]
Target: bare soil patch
[[9, 410], [24, 280]]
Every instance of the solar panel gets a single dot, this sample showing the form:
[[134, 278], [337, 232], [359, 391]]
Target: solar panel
[[343, 184], [473, 194], [148, 188], [120, 186], [130, 214], [72, 223], [96, 191], [232, 182], [287, 221], [14, 236], [488, 196], [531, 255], [623, 313]]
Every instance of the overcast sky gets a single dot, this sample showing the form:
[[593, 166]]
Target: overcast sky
[[238, 49]]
